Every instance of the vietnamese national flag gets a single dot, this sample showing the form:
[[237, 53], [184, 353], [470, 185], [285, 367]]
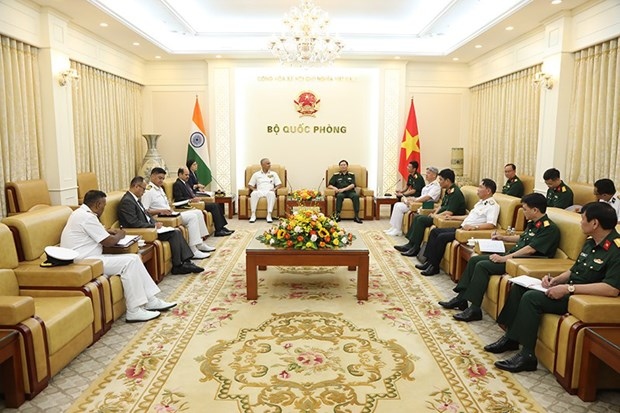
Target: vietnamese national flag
[[198, 147], [410, 146]]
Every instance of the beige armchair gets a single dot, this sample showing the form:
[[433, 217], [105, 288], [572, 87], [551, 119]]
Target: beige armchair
[[261, 209], [55, 324], [367, 196], [23, 196], [86, 181]]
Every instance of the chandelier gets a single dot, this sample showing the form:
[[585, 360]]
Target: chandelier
[[307, 41]]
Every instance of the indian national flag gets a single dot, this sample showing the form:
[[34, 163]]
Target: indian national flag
[[198, 147]]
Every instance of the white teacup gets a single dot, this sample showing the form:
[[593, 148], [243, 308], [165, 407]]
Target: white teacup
[[141, 243], [471, 243]]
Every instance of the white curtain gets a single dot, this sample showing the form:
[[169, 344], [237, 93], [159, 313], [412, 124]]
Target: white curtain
[[504, 126], [107, 121], [594, 133], [21, 137]]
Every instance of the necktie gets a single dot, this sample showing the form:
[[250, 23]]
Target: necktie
[[190, 190], [146, 214]]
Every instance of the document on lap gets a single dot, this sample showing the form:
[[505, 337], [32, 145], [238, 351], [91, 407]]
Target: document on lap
[[528, 282], [491, 245], [127, 240], [164, 229], [180, 203]]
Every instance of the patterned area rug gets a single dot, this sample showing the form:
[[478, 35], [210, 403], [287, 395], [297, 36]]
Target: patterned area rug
[[306, 345]]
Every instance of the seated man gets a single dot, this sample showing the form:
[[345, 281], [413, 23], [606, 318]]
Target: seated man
[[540, 239], [263, 184], [559, 195], [452, 203], [513, 186], [156, 202], [85, 234], [181, 190], [415, 182], [343, 183], [430, 192], [483, 216], [132, 214], [596, 272], [605, 191]]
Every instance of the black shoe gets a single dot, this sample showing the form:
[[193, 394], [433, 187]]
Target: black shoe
[[471, 314], [192, 267], [356, 219], [221, 233], [431, 270], [502, 345], [456, 302], [412, 252], [230, 231], [181, 269], [403, 248], [337, 218], [423, 266], [518, 362]]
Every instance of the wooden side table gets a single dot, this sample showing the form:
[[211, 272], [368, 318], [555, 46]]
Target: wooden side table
[[384, 201], [11, 375], [463, 254], [600, 344], [226, 200], [147, 255]]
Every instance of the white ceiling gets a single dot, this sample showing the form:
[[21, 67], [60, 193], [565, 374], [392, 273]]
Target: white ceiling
[[409, 29]]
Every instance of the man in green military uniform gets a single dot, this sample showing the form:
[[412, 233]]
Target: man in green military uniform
[[343, 182], [596, 272], [415, 181], [452, 203], [540, 238], [513, 186], [559, 195]]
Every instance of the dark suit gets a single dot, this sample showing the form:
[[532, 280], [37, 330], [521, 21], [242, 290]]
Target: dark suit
[[182, 191], [132, 215]]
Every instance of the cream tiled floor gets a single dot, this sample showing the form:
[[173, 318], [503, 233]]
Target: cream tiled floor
[[66, 386]]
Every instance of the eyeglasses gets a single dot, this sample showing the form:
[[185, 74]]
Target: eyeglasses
[[143, 187]]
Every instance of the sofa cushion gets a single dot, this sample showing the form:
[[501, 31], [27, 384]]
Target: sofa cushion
[[15, 309], [64, 318]]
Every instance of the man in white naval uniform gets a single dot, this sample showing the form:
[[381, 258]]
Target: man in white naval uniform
[[264, 184], [86, 235], [484, 215], [605, 191], [156, 202], [431, 192]]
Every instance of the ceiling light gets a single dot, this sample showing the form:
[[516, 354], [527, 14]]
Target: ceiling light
[[103, 24], [157, 57], [136, 44], [556, 2], [509, 28], [218, 56], [306, 41], [397, 57], [478, 46], [455, 59]]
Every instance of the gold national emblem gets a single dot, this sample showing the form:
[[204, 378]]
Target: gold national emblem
[[307, 104]]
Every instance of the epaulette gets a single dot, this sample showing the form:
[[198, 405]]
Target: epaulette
[[617, 242], [350, 173], [515, 179], [563, 189], [449, 190], [149, 186], [336, 173], [490, 201], [546, 223]]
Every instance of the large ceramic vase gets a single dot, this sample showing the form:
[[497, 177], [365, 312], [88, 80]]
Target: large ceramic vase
[[152, 158]]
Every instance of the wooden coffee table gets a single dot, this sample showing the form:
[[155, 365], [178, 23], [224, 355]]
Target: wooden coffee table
[[11, 375], [600, 344], [292, 203], [259, 256]]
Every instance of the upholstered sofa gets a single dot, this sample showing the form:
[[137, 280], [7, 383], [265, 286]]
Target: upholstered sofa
[[367, 196], [582, 193], [261, 209], [32, 232], [560, 337], [86, 181], [55, 321], [168, 189], [23, 196]]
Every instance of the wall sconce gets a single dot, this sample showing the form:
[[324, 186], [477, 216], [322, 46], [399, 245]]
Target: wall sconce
[[543, 79], [68, 75]]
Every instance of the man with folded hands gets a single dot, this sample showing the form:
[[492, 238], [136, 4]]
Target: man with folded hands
[[87, 236], [540, 239], [132, 214], [483, 216], [182, 190], [156, 202], [596, 272], [452, 203]]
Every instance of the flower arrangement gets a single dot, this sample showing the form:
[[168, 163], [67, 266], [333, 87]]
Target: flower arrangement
[[306, 229], [305, 194]]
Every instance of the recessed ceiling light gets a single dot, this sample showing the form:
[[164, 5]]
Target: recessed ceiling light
[[218, 56], [103, 24], [509, 28], [397, 57], [478, 46], [456, 59], [556, 2], [136, 44], [157, 57]]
